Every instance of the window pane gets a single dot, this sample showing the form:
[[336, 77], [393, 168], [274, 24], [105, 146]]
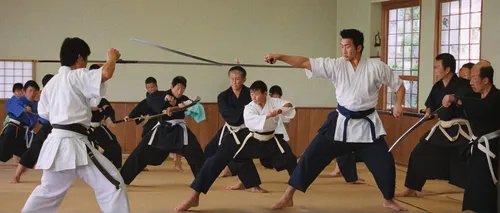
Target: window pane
[[464, 52], [414, 101], [28, 73], [399, 51], [401, 14], [18, 65], [391, 52], [453, 36], [464, 36], [25, 79], [400, 40], [2, 80], [445, 8], [399, 64], [465, 6], [18, 72], [407, 53], [392, 15], [416, 12], [445, 37], [27, 65], [414, 67], [9, 64], [475, 6], [454, 7], [407, 86], [408, 13], [407, 100], [408, 26], [2, 72], [9, 80], [392, 40], [445, 23], [445, 49], [454, 21], [475, 36], [9, 72], [407, 65], [416, 26], [416, 39], [464, 21], [19, 79], [393, 27], [414, 52], [475, 20], [2, 64], [391, 63], [407, 39], [401, 26], [454, 50], [7, 87], [474, 51]]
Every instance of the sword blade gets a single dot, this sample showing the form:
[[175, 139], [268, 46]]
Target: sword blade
[[174, 51], [413, 127]]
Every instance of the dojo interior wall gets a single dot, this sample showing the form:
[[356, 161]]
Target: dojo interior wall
[[220, 30]]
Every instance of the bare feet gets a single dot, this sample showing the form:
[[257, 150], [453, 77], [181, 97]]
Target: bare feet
[[407, 193], [145, 169], [225, 173], [393, 205], [15, 179], [284, 202], [193, 201], [359, 181], [258, 189], [237, 186]]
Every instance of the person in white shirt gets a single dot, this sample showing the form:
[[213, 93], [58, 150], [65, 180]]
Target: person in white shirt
[[355, 124], [255, 141], [67, 152]]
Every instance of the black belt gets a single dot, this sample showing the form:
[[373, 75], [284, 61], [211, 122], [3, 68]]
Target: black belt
[[78, 128], [356, 115]]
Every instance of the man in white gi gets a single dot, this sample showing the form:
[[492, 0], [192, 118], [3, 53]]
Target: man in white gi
[[67, 152], [355, 125]]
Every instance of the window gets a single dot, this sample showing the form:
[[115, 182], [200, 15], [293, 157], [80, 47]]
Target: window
[[401, 26], [12, 72], [460, 30]]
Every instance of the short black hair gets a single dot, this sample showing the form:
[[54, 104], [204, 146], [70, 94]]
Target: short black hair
[[31, 83], [468, 65], [243, 72], [71, 48], [275, 90], [258, 86], [17, 86], [179, 80], [150, 80], [46, 79], [448, 61], [355, 35], [487, 72], [94, 67]]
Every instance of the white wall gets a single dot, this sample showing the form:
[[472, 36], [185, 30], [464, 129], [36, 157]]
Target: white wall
[[221, 30]]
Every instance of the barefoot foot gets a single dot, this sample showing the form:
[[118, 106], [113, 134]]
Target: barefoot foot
[[15, 179], [358, 181], [336, 173], [407, 193], [238, 186], [258, 189], [145, 169], [192, 202], [284, 202], [393, 205], [225, 173]]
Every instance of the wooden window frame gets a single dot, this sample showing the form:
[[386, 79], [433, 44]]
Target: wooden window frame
[[437, 34], [386, 6], [33, 69]]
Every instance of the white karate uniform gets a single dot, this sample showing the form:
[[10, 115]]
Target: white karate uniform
[[356, 91], [255, 115], [280, 129], [66, 99]]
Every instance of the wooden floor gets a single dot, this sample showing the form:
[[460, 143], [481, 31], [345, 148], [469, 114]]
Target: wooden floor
[[162, 188]]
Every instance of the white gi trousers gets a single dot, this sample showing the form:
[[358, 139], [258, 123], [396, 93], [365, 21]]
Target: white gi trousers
[[47, 196]]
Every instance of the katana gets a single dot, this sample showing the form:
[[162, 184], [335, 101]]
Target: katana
[[423, 119], [147, 117]]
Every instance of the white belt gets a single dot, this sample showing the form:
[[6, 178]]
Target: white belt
[[174, 122], [486, 150], [232, 130], [260, 137], [448, 124], [95, 125]]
